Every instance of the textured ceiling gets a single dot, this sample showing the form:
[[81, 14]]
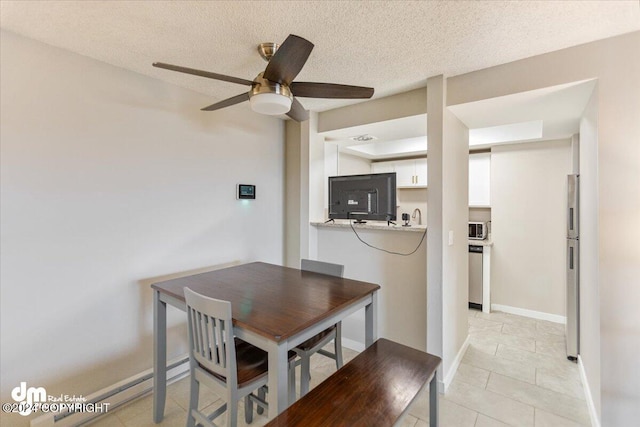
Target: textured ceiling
[[392, 46]]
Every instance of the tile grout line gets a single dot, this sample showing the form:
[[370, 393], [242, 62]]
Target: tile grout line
[[536, 407], [540, 332], [497, 394]]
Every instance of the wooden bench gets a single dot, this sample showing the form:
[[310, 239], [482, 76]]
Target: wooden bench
[[374, 389]]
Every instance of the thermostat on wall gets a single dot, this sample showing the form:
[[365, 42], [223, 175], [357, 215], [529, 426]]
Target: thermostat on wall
[[246, 191]]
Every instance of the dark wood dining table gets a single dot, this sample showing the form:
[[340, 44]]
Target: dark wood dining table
[[274, 308]]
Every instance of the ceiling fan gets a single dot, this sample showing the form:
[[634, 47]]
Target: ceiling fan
[[273, 91]]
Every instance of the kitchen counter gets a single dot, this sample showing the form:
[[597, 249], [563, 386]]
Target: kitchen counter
[[372, 225], [381, 225], [485, 242]]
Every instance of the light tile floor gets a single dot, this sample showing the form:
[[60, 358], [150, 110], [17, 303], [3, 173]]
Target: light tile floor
[[514, 373]]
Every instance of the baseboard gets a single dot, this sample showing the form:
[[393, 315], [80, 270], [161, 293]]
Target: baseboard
[[114, 396], [541, 315], [353, 344], [454, 366], [595, 422]]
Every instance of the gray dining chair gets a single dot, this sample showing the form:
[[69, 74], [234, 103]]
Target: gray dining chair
[[316, 343], [233, 371]]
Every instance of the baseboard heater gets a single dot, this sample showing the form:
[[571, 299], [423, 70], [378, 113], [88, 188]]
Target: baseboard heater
[[115, 395]]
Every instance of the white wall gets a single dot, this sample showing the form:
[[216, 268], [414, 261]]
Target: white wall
[[528, 210], [304, 169], [616, 64], [349, 164], [109, 178], [293, 190], [331, 168], [447, 262], [435, 234], [410, 199], [317, 183], [589, 284], [480, 214], [455, 219], [405, 104], [402, 298]]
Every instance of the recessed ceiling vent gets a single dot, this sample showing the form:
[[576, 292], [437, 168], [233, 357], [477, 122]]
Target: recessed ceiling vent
[[363, 138]]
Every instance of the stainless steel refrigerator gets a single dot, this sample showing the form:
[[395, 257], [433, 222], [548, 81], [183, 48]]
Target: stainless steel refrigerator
[[573, 270]]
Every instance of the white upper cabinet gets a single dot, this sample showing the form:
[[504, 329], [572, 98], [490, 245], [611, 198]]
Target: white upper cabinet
[[421, 172], [480, 179], [413, 174], [405, 173], [409, 173]]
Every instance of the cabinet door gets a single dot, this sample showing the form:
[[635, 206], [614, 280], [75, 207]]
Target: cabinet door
[[382, 167], [480, 179], [405, 173], [421, 172]]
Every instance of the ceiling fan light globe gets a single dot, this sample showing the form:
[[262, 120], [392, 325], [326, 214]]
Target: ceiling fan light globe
[[272, 104]]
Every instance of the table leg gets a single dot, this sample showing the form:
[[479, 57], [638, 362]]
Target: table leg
[[371, 321], [433, 401], [159, 357], [278, 379]]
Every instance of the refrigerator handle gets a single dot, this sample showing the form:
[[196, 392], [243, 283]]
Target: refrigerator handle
[[570, 257], [571, 219]]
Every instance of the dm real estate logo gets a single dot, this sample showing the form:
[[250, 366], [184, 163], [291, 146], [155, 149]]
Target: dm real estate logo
[[35, 399], [28, 398]]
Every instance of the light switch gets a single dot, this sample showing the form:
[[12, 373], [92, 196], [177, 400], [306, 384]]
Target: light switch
[[450, 237]]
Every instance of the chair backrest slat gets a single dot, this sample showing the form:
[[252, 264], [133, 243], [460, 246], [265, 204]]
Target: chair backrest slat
[[207, 337], [201, 319], [218, 337], [211, 341]]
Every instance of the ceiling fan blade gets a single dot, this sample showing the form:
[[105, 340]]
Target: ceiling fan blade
[[297, 112], [288, 60], [227, 102], [330, 90], [203, 73]]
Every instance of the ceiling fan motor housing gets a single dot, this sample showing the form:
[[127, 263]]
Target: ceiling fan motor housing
[[274, 98]]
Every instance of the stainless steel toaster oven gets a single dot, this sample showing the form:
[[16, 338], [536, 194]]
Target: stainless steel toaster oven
[[477, 230]]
